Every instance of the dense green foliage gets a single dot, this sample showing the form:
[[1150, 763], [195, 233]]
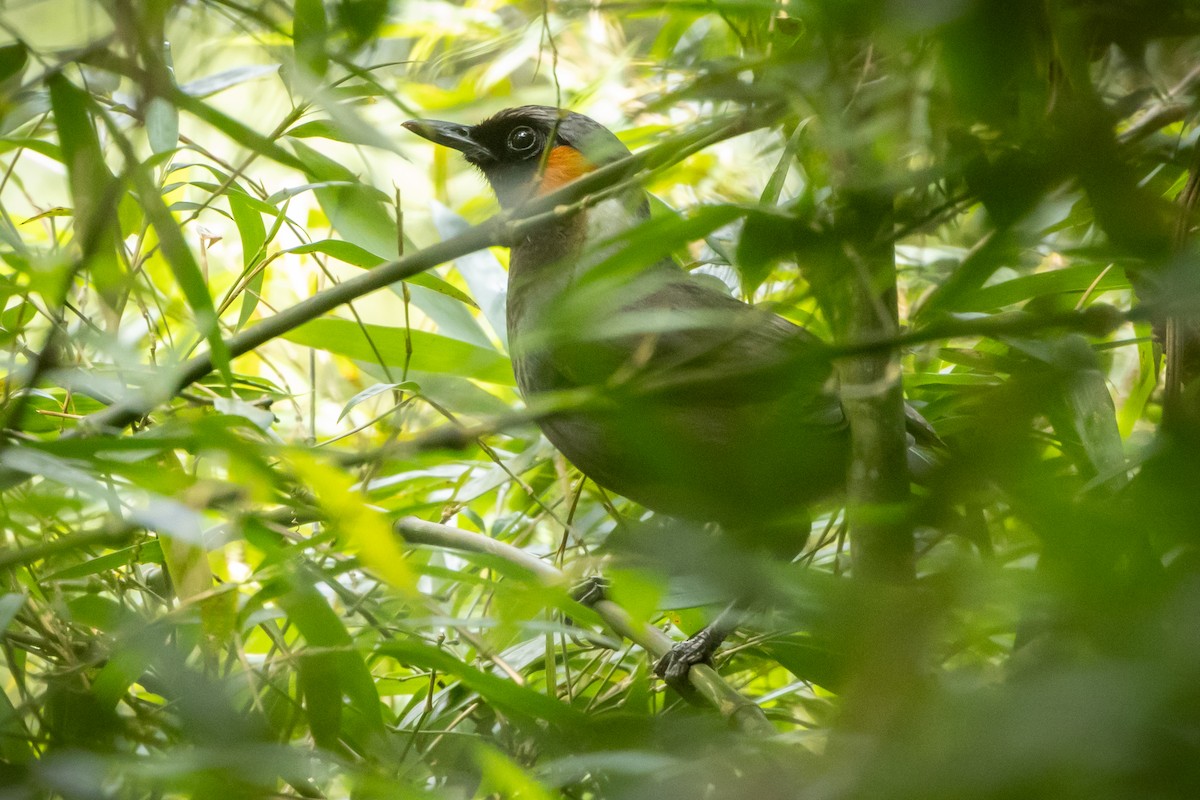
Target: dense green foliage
[[205, 592]]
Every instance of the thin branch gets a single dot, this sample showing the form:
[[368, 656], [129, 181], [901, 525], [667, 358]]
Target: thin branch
[[1096, 320], [707, 682]]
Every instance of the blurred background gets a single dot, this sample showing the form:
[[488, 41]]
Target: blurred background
[[203, 595]]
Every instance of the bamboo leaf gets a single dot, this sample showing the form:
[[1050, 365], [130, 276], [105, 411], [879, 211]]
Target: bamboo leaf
[[364, 528], [227, 79], [374, 390], [350, 253], [253, 235], [333, 668], [356, 210], [309, 32], [430, 352], [13, 60], [1094, 278], [519, 701], [94, 189], [162, 125], [185, 268]]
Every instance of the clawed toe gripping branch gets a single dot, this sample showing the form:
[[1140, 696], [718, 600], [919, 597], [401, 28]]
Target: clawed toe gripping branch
[[702, 680]]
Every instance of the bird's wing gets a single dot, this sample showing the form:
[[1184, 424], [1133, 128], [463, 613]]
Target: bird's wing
[[698, 344]]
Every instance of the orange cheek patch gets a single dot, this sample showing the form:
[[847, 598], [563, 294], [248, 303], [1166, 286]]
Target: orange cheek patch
[[564, 165]]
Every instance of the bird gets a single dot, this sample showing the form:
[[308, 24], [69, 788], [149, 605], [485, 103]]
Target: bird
[[706, 408], [717, 410]]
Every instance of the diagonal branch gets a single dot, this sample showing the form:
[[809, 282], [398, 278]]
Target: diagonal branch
[[707, 682]]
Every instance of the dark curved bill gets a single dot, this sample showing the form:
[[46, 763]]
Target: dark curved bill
[[448, 134]]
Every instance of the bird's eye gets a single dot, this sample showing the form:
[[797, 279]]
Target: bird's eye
[[522, 139]]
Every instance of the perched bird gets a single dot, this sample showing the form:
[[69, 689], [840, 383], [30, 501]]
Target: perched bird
[[708, 408], [703, 407]]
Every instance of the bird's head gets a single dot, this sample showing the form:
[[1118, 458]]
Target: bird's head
[[527, 151]]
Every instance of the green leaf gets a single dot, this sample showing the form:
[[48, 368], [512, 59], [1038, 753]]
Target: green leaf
[[519, 701], [320, 683], [261, 417], [70, 473], [138, 651], [359, 214], [13, 60], [1094, 419], [254, 287], [237, 131], [357, 211], [1094, 278], [995, 250], [343, 251], [334, 668], [162, 125], [350, 253], [227, 79], [1085, 416], [452, 317], [482, 272], [15, 743], [374, 390], [656, 239], [93, 187], [767, 236], [174, 247], [47, 149], [430, 352], [253, 234], [185, 269], [362, 19], [808, 659], [309, 32], [10, 604], [361, 525], [337, 131], [50, 213], [1147, 379], [504, 777], [101, 613], [774, 188], [1093, 412], [293, 191], [142, 553]]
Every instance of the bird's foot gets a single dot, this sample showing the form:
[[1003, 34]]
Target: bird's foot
[[674, 667], [590, 591]]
